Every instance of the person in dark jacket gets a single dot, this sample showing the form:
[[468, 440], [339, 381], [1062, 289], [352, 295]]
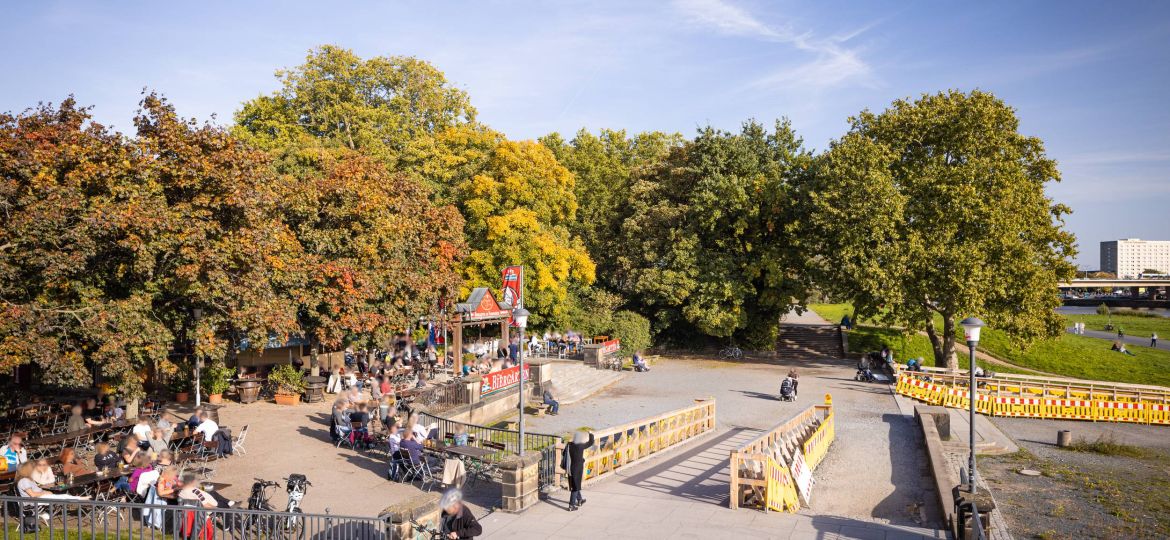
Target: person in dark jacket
[[574, 462], [458, 521]]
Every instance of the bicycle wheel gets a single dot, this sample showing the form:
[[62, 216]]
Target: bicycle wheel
[[293, 527]]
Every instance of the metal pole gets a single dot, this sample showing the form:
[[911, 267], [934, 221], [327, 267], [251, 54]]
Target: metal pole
[[520, 424], [974, 395], [197, 399]]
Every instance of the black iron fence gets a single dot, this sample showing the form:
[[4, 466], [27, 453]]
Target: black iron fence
[[440, 397], [504, 442], [43, 518]]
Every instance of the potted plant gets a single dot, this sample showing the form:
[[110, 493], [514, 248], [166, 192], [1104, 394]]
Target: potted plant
[[215, 380], [179, 384], [289, 383]]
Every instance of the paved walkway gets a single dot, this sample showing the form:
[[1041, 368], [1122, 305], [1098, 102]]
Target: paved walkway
[[872, 485], [1141, 342]]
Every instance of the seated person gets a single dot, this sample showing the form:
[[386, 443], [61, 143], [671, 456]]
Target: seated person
[[71, 464], [640, 363], [1121, 349], [166, 458], [113, 412], [168, 429], [340, 420], [168, 482], [196, 418], [78, 421], [129, 441], [206, 426], [157, 443], [142, 467], [141, 431], [553, 406], [394, 444], [361, 415], [460, 438], [14, 452], [43, 474], [91, 411], [190, 491], [27, 487], [413, 447], [104, 458]]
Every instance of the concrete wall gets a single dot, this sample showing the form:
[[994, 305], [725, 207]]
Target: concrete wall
[[940, 469]]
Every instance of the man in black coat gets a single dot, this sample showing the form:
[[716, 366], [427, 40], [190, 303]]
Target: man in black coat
[[458, 521], [573, 461]]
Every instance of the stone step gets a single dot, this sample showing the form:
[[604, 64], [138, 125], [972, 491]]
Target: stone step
[[573, 381]]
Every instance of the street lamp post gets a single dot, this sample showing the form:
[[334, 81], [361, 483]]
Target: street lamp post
[[520, 316], [971, 327], [197, 313]]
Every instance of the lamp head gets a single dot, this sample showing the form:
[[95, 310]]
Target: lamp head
[[971, 327], [520, 316]]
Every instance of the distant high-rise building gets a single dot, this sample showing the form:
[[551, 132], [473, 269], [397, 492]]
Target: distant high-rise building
[[1129, 257]]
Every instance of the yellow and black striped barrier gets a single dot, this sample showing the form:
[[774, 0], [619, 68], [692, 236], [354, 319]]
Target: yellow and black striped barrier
[[1037, 397]]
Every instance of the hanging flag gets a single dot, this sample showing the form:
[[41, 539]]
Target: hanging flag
[[513, 288]]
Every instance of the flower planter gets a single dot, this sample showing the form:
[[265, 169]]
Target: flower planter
[[287, 399], [182, 397], [215, 398]]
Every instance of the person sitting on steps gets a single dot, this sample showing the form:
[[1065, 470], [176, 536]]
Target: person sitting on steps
[[553, 406]]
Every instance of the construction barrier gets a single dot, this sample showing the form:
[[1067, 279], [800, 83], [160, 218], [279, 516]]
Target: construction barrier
[[774, 471], [620, 446], [1037, 397]]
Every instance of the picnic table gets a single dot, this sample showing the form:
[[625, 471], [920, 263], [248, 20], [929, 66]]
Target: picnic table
[[477, 461], [81, 483]]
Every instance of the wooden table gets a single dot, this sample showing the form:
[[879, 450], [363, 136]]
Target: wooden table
[[81, 482], [474, 458]]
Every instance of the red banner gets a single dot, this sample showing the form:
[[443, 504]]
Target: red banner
[[513, 288], [611, 346], [502, 380]]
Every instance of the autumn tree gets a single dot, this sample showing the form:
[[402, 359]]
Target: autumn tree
[[705, 242], [378, 254], [110, 244], [936, 209]]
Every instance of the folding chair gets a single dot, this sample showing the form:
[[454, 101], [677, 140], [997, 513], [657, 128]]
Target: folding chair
[[238, 442]]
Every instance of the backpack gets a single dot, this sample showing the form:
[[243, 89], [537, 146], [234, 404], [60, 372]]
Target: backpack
[[565, 458]]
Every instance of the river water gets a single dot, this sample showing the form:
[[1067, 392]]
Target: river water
[[1089, 310]]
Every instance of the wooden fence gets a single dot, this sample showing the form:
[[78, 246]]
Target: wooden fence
[[774, 471], [1040, 397], [623, 445]]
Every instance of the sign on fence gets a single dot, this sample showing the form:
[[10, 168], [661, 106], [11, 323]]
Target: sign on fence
[[803, 477], [502, 380]]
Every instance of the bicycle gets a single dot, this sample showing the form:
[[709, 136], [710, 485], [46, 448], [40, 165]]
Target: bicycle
[[293, 526], [731, 352], [430, 533]]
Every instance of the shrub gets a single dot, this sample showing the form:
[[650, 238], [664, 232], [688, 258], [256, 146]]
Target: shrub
[[632, 329], [216, 378], [1102, 310], [288, 379]]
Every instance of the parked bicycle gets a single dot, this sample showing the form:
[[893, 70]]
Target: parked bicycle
[[291, 527], [731, 353], [428, 532]]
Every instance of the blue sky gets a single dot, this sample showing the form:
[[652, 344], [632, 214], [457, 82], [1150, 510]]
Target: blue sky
[[1090, 78]]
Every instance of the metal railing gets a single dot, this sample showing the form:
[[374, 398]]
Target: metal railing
[[42, 518], [504, 441]]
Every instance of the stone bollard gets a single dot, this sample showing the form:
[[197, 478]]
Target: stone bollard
[[1063, 438], [520, 482], [423, 508]]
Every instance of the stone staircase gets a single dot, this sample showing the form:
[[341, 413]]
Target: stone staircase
[[574, 381], [809, 341]]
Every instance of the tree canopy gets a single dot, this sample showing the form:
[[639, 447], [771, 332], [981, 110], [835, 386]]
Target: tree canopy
[[935, 209]]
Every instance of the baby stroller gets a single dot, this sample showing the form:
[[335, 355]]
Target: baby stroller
[[788, 389], [864, 373]]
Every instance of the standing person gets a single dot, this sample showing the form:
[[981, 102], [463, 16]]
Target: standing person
[[1154, 340], [458, 521], [573, 461]]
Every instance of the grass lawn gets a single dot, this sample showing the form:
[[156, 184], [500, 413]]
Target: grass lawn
[[1081, 357], [1133, 326]]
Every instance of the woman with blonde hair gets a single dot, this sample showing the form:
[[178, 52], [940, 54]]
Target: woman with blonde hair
[[27, 487]]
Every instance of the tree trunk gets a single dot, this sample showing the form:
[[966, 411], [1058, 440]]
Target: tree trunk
[[936, 343], [948, 341]]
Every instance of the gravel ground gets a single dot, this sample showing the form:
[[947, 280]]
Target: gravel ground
[[1083, 494]]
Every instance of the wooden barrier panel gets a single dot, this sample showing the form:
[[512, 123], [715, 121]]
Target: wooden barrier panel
[[620, 446], [1035, 397], [762, 471]]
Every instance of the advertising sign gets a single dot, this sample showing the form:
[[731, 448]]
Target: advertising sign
[[503, 380], [611, 346], [513, 285], [802, 475]]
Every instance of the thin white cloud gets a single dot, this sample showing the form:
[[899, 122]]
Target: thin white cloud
[[832, 63], [1115, 157]]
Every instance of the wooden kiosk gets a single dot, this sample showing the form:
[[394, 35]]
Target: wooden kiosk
[[480, 309]]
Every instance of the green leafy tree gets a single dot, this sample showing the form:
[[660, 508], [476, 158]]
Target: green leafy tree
[[705, 244], [935, 209], [603, 167], [632, 329], [386, 107]]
